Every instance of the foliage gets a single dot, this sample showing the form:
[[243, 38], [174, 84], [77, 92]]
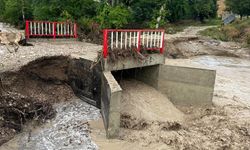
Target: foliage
[[178, 9], [15, 11], [122, 14], [202, 9], [241, 7], [64, 9], [192, 9], [239, 31], [113, 17], [143, 10], [172, 28], [156, 15], [2, 8]]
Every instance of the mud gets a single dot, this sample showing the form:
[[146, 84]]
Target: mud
[[154, 120], [189, 44], [220, 127], [30, 93], [69, 129], [142, 105]]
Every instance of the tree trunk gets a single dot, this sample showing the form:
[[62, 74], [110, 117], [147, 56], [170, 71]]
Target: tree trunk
[[23, 13], [160, 17]]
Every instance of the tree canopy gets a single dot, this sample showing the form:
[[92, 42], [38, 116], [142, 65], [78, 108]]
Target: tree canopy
[[241, 7], [107, 13]]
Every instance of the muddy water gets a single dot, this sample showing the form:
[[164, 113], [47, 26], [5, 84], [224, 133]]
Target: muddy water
[[68, 130], [143, 104]]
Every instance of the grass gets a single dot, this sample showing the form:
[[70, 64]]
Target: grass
[[180, 26], [238, 31]]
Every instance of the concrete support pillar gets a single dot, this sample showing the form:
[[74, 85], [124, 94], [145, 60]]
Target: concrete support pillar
[[111, 94]]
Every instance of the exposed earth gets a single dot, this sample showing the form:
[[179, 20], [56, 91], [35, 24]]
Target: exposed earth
[[74, 124]]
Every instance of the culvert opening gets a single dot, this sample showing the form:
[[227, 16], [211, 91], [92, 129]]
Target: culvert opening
[[30, 93], [121, 75], [142, 106]]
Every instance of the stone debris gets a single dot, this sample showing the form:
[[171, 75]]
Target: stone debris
[[68, 130]]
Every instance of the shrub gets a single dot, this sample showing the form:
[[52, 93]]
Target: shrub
[[231, 32], [113, 17], [238, 31]]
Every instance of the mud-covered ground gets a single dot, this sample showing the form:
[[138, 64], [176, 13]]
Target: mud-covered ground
[[69, 129], [144, 126], [28, 95], [189, 43], [165, 127]]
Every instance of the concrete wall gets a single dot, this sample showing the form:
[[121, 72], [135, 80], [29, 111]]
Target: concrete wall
[[111, 93], [187, 86], [148, 75], [183, 86], [128, 63], [85, 81]]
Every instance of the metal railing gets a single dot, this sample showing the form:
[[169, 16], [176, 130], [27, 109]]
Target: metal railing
[[132, 39], [50, 29]]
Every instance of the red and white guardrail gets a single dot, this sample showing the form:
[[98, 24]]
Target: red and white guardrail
[[132, 39], [50, 29]]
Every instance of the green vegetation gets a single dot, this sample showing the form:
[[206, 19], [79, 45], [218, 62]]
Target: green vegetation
[[93, 16], [241, 7], [181, 25], [239, 31], [108, 14]]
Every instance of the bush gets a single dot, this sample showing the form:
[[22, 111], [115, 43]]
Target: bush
[[231, 32], [113, 17], [238, 31]]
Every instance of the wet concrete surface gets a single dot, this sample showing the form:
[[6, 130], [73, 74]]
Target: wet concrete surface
[[232, 81]]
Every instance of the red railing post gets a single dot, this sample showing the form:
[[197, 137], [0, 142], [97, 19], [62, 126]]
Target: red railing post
[[162, 46], [75, 30], [105, 43], [139, 41], [27, 32], [54, 30]]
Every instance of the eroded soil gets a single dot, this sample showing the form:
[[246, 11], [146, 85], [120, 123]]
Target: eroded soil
[[30, 94]]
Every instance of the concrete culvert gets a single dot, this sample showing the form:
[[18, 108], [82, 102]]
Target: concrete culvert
[[141, 104]]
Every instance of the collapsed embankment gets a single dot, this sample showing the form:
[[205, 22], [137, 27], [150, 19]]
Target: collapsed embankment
[[30, 93]]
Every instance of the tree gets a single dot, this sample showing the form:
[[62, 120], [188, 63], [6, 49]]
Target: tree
[[177, 9], [16, 11], [202, 9], [241, 7], [143, 10], [2, 9], [64, 9], [113, 17]]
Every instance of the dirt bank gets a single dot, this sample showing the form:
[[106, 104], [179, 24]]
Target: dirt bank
[[189, 43], [30, 93]]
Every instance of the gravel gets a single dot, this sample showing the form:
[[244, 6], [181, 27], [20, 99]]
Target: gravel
[[69, 130]]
